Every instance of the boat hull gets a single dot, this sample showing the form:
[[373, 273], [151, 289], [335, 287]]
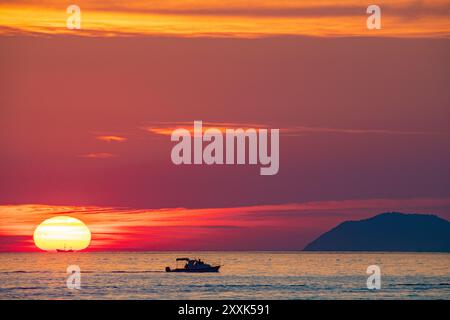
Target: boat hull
[[200, 270]]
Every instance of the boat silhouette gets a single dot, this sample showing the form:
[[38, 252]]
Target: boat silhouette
[[194, 265], [64, 250]]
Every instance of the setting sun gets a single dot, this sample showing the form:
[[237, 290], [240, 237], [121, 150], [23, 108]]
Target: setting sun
[[62, 233]]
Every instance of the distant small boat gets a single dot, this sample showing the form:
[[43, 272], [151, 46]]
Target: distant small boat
[[194, 265], [64, 250]]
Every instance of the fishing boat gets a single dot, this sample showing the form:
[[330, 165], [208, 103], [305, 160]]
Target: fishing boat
[[64, 250], [194, 265]]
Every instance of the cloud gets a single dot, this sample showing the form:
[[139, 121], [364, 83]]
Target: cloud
[[233, 18], [323, 130], [99, 155], [112, 138], [166, 129], [255, 8]]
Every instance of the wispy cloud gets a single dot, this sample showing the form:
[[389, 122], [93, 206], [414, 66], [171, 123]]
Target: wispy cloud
[[111, 138], [299, 130], [99, 155], [232, 18], [166, 128]]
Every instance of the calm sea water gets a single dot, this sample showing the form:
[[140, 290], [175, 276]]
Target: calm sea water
[[244, 275]]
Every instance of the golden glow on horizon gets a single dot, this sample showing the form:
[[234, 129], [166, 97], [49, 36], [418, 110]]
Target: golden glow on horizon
[[235, 18], [62, 232], [169, 228]]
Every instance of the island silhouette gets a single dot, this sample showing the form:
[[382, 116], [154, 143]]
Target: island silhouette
[[391, 231]]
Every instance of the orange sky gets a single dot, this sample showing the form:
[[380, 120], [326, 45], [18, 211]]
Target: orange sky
[[261, 227], [231, 18], [84, 120]]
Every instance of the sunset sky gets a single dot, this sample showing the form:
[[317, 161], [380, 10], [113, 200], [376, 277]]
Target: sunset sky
[[86, 116], [225, 18]]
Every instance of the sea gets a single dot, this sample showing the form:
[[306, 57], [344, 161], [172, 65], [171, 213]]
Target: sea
[[243, 275]]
